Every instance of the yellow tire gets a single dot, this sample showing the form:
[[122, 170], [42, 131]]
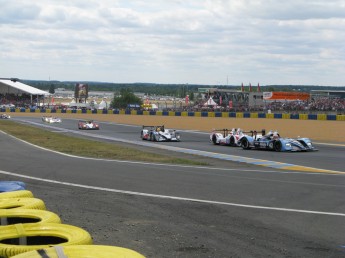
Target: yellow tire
[[24, 203], [16, 194], [15, 216], [21, 238], [82, 251]]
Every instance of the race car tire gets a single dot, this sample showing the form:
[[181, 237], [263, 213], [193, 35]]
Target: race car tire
[[22, 203], [245, 144], [8, 186], [21, 238], [142, 135], [277, 146], [16, 194], [214, 139], [81, 251], [232, 141], [23, 216]]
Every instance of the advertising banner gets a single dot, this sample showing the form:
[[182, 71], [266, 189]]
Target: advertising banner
[[290, 96], [81, 90]]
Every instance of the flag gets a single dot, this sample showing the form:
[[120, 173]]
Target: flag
[[230, 104], [258, 87], [250, 87], [53, 100], [187, 99], [242, 88], [220, 100]]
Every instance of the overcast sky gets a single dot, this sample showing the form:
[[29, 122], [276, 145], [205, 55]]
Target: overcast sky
[[214, 42]]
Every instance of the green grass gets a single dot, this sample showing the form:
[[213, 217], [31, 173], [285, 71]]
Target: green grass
[[85, 147]]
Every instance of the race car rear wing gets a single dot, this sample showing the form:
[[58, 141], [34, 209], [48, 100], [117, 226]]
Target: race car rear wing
[[262, 131], [252, 132], [154, 127], [225, 131]]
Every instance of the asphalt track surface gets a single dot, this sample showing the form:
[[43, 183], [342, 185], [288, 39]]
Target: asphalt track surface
[[234, 210]]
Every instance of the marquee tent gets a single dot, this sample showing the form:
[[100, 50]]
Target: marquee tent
[[210, 102], [16, 87]]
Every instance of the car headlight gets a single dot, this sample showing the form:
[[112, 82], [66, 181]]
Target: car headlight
[[288, 145], [309, 143]]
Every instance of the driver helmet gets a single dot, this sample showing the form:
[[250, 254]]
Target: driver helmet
[[275, 135]]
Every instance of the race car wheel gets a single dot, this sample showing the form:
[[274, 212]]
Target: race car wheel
[[214, 139], [245, 144], [232, 141], [277, 146], [142, 135]]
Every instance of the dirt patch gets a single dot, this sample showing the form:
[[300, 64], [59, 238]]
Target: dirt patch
[[317, 130]]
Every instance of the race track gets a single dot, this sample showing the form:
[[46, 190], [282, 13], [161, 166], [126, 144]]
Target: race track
[[183, 211], [329, 157]]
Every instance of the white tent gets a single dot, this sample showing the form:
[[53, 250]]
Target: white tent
[[102, 105], [16, 87], [210, 102]]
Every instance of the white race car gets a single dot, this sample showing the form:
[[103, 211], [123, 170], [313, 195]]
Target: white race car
[[230, 137], [5, 116], [51, 119], [159, 134]]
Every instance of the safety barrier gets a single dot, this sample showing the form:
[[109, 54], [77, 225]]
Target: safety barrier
[[184, 113]]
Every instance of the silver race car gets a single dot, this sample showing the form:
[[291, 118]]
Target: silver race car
[[51, 119], [5, 116], [159, 134], [232, 137]]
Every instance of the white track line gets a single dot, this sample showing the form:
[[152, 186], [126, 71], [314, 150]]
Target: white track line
[[173, 197]]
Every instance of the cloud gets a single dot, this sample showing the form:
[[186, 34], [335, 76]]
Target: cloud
[[193, 41]]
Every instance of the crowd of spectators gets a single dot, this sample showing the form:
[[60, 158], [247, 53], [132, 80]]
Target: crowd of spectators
[[11, 99], [315, 104]]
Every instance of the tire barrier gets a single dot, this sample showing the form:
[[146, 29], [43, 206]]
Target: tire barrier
[[23, 216], [81, 251], [7, 186], [28, 230], [21, 238], [16, 194], [24, 203]]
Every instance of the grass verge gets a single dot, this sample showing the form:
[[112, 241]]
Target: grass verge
[[85, 147]]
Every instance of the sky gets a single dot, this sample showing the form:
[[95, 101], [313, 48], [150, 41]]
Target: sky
[[208, 42]]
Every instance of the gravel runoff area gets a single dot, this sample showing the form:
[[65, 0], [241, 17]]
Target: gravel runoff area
[[316, 130]]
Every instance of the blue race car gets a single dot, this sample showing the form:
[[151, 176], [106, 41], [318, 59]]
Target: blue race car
[[272, 141]]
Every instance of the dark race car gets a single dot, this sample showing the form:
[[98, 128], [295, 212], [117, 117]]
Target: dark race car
[[272, 141], [88, 125]]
